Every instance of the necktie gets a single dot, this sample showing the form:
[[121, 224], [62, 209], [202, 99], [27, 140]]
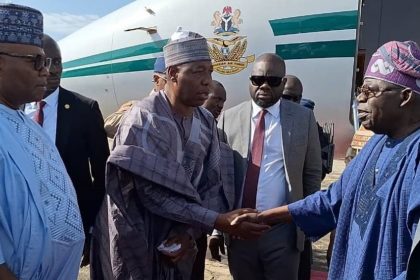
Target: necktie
[[39, 114], [254, 164]]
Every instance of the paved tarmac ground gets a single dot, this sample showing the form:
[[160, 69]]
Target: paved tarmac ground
[[220, 271]]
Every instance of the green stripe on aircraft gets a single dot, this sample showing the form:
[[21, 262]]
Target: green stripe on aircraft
[[120, 67], [315, 23], [294, 25], [344, 48], [142, 49]]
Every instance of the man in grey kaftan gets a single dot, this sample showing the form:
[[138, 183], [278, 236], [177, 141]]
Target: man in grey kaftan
[[164, 175]]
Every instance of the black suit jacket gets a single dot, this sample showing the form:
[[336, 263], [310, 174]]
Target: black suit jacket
[[413, 267], [83, 146]]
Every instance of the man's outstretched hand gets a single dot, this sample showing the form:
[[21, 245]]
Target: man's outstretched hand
[[243, 229], [268, 217], [6, 274]]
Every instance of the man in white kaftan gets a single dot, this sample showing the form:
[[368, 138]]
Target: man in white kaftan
[[41, 233]]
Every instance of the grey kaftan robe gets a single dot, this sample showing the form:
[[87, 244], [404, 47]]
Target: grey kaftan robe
[[157, 185]]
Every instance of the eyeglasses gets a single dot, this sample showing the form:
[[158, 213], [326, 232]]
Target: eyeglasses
[[369, 93], [272, 81], [39, 61]]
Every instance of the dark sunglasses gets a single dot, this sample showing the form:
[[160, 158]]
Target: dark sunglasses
[[56, 62], [272, 81], [291, 98], [39, 61]]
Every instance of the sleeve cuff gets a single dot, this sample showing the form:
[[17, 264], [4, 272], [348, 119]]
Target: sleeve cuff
[[295, 207], [208, 219], [296, 211], [314, 225]]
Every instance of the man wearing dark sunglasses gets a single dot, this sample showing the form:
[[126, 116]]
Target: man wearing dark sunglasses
[[277, 161], [41, 231], [293, 89]]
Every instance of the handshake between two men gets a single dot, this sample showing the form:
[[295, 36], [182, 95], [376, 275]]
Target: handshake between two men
[[249, 223], [243, 223]]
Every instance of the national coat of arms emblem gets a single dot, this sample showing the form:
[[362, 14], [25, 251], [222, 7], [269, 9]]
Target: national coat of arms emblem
[[228, 48]]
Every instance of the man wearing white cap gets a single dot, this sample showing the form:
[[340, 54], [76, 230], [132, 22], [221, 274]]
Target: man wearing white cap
[[164, 181], [41, 231]]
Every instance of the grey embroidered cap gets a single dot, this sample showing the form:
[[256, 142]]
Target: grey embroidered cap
[[184, 47], [20, 25]]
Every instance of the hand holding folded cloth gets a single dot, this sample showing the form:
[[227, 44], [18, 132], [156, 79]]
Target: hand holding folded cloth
[[178, 247]]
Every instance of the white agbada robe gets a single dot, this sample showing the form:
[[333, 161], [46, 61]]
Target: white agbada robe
[[41, 231]]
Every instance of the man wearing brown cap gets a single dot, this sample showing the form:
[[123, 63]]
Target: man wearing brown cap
[[164, 181], [375, 205], [41, 231]]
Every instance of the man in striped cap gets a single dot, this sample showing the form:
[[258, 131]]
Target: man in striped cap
[[165, 185], [41, 231]]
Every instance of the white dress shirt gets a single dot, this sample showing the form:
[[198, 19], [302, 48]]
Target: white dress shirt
[[50, 113], [272, 188]]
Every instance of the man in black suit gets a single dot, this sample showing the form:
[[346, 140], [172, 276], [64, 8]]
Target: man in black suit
[[76, 125], [413, 268]]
